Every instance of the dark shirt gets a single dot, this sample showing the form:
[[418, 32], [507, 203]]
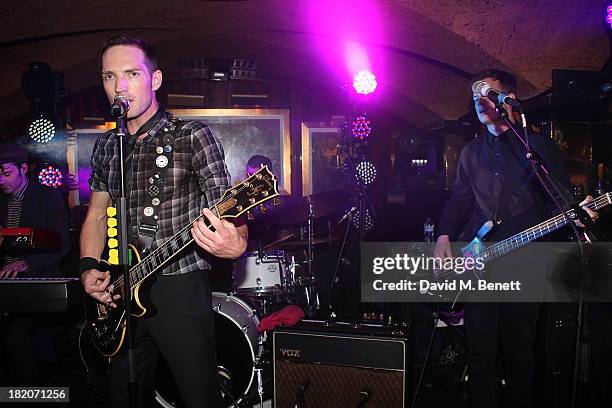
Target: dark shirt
[[42, 207], [485, 165], [196, 178]]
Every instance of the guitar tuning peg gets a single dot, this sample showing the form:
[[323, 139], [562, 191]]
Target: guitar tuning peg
[[276, 201], [263, 208], [250, 216]]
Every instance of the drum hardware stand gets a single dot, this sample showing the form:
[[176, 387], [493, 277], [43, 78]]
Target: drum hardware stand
[[331, 314], [260, 392], [312, 296]]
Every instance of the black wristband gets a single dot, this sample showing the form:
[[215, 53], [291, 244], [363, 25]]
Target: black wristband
[[87, 263]]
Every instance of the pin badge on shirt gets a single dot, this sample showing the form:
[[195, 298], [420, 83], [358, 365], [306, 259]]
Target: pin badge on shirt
[[161, 161], [153, 191]]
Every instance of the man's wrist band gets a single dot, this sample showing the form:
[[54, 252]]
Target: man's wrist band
[[87, 263]]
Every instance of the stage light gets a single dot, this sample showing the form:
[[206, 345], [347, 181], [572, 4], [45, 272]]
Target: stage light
[[609, 16], [41, 129], [44, 89], [361, 128], [366, 219], [364, 82], [365, 173], [50, 176]]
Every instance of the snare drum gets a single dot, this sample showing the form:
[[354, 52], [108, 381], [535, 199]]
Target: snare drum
[[260, 276], [239, 346]]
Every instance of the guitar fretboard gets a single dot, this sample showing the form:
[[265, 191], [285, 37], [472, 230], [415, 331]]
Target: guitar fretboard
[[516, 241]]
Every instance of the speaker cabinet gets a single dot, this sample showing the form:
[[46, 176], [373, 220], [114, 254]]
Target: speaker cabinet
[[319, 366]]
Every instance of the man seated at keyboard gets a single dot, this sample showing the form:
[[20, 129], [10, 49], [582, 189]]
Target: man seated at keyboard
[[26, 203]]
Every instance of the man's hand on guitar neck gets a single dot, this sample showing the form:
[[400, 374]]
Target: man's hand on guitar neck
[[443, 248], [97, 286], [226, 241], [593, 214]]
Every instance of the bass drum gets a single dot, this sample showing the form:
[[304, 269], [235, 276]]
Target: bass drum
[[239, 346]]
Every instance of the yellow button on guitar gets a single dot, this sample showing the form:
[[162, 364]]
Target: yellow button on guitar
[[111, 222], [111, 211]]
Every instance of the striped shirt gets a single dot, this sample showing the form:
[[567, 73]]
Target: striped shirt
[[196, 178], [13, 217]]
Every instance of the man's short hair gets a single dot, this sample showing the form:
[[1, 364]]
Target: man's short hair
[[506, 79], [148, 50], [256, 161]]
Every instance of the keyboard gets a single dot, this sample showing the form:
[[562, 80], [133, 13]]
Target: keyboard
[[40, 294]]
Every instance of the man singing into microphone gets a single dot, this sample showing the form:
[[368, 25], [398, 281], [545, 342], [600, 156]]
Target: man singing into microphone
[[496, 182], [196, 176]]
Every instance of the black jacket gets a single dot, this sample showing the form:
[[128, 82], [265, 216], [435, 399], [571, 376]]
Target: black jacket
[[485, 165], [43, 207]]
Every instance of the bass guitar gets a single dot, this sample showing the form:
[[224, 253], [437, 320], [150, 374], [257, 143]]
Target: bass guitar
[[478, 248]]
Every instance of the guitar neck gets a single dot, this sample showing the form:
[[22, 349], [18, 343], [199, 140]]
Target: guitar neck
[[531, 234], [258, 188], [163, 254]]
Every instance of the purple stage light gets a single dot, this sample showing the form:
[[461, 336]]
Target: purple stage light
[[364, 82], [361, 128], [50, 176], [609, 15]]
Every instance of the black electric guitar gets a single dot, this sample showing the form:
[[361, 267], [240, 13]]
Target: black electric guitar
[[477, 248], [105, 324]]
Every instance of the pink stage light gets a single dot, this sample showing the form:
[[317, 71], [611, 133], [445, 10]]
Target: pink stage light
[[361, 127], [50, 176], [609, 16], [364, 82], [344, 34]]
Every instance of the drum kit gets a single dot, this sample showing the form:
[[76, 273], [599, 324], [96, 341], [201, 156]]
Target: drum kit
[[264, 280]]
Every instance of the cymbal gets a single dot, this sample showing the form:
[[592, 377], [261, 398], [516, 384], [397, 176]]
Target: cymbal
[[296, 211], [304, 242], [279, 241]]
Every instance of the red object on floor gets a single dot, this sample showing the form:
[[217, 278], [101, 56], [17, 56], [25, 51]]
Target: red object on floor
[[288, 316]]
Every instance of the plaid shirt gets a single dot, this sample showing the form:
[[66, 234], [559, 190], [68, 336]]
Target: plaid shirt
[[196, 178]]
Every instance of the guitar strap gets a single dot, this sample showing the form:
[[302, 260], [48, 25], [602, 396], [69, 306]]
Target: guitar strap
[[148, 219]]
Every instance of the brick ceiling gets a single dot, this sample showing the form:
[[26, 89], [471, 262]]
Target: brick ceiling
[[429, 47]]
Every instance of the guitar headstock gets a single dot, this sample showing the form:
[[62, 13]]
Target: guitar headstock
[[260, 187]]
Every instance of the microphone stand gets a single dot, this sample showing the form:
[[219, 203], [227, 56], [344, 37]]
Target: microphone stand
[[594, 233], [124, 261]]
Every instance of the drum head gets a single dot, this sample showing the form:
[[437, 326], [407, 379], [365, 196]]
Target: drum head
[[237, 343]]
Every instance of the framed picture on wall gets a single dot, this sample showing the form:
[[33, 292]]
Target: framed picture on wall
[[248, 132], [79, 147], [321, 160]]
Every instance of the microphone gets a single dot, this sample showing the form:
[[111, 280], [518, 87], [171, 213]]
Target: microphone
[[120, 106], [300, 398], [346, 215], [364, 396], [481, 88]]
